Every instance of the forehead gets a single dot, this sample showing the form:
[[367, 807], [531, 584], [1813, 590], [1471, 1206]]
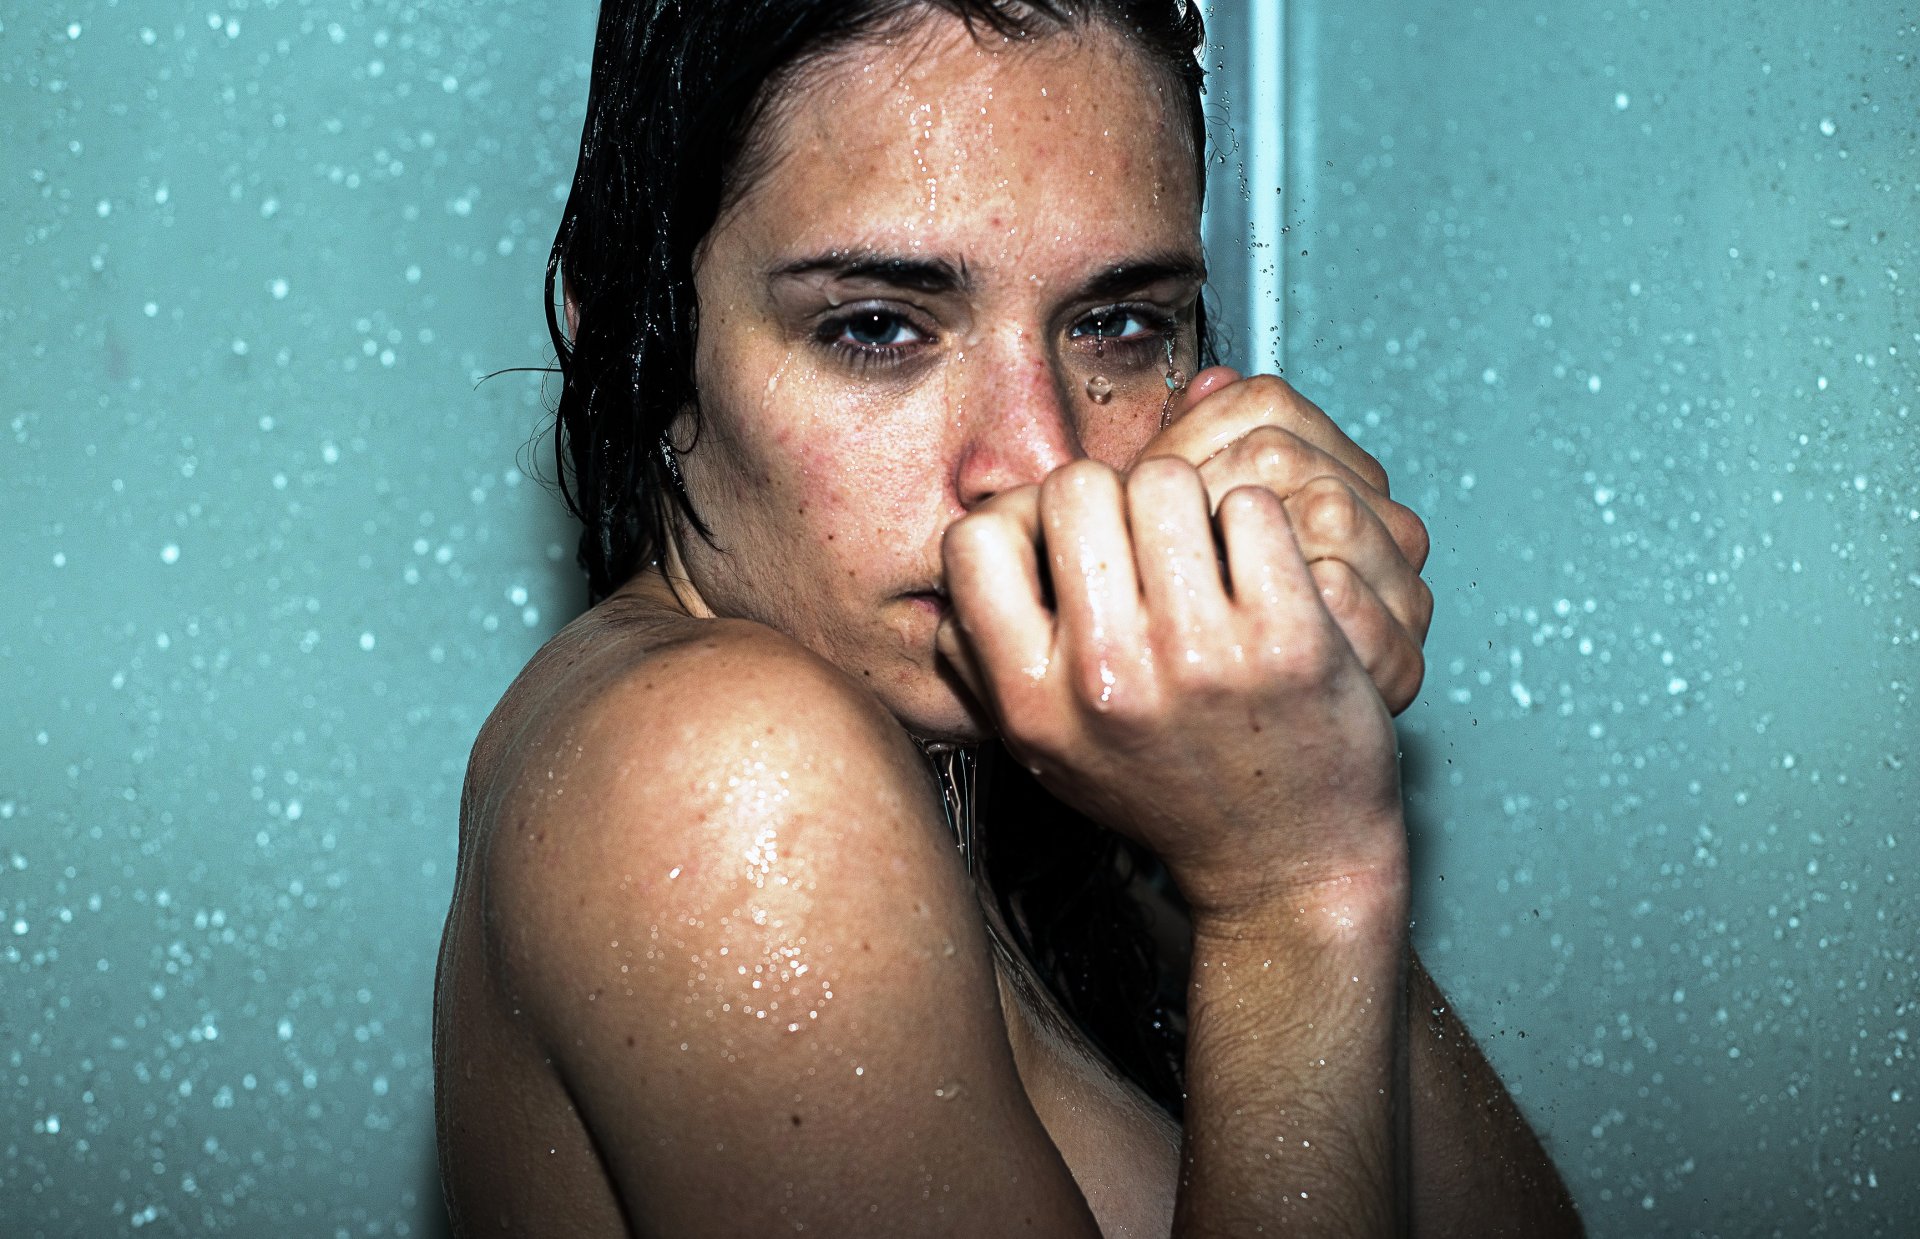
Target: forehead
[[939, 140]]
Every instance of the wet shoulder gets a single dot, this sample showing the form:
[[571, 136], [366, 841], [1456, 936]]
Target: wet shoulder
[[670, 716], [662, 770], [719, 895]]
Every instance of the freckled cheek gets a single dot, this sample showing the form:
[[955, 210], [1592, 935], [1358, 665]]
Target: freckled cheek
[[879, 481], [818, 503], [1116, 441]]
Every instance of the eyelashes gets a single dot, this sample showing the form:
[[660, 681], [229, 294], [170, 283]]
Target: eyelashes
[[870, 337], [876, 337], [1109, 328]]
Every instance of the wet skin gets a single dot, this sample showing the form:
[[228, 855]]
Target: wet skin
[[712, 966], [900, 320]]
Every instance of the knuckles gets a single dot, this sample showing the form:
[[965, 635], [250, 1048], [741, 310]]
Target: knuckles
[[976, 533], [1075, 479], [1126, 700], [1273, 391], [1408, 531], [1370, 470], [1328, 509], [1159, 474], [1423, 609], [1278, 458], [1294, 414], [1244, 504]]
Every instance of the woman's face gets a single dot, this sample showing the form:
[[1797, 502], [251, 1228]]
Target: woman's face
[[900, 318]]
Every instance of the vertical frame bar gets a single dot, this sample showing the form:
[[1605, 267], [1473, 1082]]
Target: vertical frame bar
[[1267, 54], [1252, 91]]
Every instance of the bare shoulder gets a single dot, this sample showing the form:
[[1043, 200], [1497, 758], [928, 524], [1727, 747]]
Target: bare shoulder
[[691, 745], [714, 876]]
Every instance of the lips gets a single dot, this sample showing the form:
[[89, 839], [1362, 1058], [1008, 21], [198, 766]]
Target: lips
[[934, 600]]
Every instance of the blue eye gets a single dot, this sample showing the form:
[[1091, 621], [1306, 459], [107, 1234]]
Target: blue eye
[[876, 330], [1121, 325], [869, 337]]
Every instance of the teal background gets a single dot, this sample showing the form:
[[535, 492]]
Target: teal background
[[272, 557], [1624, 298], [1619, 294]]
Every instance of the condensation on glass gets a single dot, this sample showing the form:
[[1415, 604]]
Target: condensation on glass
[[1619, 295]]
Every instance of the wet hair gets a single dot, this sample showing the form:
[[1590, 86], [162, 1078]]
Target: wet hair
[[676, 119]]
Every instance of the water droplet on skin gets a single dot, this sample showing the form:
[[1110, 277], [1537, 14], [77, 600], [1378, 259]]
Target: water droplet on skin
[[1099, 389], [948, 1091]]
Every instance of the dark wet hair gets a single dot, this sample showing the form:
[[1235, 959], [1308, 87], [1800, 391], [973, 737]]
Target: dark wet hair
[[679, 93], [679, 88]]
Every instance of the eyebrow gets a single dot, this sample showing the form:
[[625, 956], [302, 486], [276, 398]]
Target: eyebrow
[[937, 275], [1126, 277], [926, 275]]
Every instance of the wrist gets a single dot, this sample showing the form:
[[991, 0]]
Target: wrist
[[1352, 922], [1291, 899], [1334, 958]]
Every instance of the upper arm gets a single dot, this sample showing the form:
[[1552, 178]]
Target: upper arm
[[1477, 1167], [725, 900]]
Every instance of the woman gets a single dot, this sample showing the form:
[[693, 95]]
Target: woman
[[876, 408]]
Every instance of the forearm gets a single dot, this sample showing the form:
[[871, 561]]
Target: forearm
[[1477, 1167], [1296, 1069]]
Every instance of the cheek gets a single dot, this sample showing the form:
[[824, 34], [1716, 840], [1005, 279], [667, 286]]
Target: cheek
[[1116, 439], [854, 497]]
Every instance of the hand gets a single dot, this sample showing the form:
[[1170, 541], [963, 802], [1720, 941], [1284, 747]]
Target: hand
[[1364, 549], [1224, 723]]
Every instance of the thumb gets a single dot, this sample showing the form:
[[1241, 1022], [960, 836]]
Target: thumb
[[953, 646], [1204, 384]]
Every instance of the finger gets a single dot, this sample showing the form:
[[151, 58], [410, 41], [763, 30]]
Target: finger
[[1182, 402], [1270, 579], [1175, 556], [1332, 521], [1231, 411], [951, 643], [994, 586], [1286, 464], [1389, 653], [1090, 554], [1204, 384]]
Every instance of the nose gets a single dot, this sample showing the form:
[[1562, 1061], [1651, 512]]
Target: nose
[[1016, 417]]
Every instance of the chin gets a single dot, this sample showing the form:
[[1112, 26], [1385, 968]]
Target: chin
[[936, 707]]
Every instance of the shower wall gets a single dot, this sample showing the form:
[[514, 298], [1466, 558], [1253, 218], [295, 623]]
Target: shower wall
[[1622, 296], [1618, 295], [271, 554]]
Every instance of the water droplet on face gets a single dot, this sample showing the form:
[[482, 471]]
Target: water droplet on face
[[948, 1091], [1099, 389]]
